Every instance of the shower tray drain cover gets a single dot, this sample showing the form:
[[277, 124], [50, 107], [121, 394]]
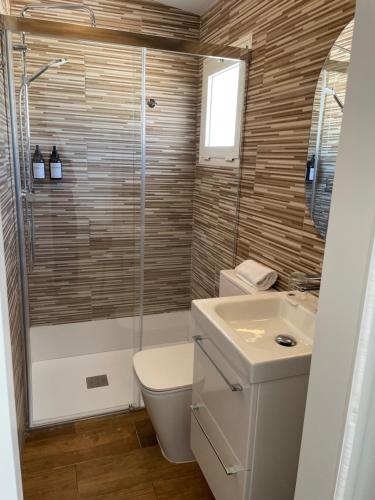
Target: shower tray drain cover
[[286, 340], [96, 381]]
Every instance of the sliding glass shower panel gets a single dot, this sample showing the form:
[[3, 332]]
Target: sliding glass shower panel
[[171, 131], [190, 206], [83, 230]]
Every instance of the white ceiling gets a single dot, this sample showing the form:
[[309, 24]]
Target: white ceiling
[[195, 6]]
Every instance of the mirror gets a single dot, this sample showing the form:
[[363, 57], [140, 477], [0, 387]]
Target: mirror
[[328, 110]]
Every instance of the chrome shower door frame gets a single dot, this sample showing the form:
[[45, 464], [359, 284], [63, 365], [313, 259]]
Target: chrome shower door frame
[[6, 40]]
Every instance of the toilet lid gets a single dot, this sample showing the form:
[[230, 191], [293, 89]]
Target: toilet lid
[[165, 368]]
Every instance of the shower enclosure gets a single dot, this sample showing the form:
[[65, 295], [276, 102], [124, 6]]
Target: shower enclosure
[[105, 252]]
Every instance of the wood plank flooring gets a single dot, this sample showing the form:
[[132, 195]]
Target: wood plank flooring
[[107, 458]]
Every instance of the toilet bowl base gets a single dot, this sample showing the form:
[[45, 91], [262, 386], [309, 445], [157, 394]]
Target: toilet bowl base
[[173, 461]]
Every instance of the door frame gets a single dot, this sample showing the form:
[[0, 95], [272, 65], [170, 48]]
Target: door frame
[[10, 467], [339, 400]]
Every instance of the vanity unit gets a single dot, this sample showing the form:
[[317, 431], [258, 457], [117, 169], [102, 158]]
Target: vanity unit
[[249, 392]]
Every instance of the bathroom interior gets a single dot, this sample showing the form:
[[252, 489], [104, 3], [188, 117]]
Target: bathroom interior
[[166, 176]]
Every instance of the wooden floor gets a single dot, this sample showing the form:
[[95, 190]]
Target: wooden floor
[[109, 458]]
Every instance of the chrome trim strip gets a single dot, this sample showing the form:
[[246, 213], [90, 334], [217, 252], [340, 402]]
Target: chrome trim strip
[[8, 46], [233, 387], [142, 200], [229, 471]]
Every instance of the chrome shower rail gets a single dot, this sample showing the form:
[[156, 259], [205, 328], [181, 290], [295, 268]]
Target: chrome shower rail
[[104, 35], [63, 6]]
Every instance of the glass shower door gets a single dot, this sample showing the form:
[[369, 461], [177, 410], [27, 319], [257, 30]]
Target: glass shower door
[[83, 278]]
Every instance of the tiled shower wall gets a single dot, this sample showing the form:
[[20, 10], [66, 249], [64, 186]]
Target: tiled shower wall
[[170, 164], [9, 228], [291, 40], [87, 232]]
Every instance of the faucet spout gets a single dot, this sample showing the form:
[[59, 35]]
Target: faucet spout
[[302, 282]]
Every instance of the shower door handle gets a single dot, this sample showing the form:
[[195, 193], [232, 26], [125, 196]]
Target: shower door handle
[[29, 198], [27, 190], [31, 237]]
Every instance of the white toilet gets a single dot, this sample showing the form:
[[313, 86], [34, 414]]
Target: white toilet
[[165, 377]]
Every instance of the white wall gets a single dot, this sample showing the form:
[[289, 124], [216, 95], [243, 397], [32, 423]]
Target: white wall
[[356, 479], [10, 473], [349, 246]]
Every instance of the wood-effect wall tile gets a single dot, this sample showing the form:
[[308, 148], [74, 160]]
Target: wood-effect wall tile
[[87, 227], [290, 43]]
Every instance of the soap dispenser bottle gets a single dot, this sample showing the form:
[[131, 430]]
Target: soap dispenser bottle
[[55, 165], [310, 169], [39, 171]]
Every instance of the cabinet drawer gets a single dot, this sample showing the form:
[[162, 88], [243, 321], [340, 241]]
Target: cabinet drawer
[[226, 480], [230, 411]]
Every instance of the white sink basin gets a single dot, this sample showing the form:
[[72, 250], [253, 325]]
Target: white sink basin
[[245, 328]]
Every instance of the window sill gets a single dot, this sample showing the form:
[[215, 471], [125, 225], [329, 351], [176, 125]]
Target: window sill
[[219, 162]]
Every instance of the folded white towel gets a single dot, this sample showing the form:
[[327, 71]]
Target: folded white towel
[[256, 274]]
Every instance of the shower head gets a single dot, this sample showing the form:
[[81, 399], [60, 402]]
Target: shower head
[[332, 92], [52, 64]]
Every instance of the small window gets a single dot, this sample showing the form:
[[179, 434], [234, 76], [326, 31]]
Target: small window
[[222, 110]]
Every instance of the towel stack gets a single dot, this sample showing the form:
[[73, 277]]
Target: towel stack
[[256, 274]]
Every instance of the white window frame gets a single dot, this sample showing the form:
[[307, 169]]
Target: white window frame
[[221, 156]]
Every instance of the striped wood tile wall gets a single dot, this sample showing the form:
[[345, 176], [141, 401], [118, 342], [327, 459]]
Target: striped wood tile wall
[[9, 228], [87, 226], [291, 40], [171, 144]]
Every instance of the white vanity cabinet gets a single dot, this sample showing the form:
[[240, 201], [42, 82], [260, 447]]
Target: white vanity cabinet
[[245, 436]]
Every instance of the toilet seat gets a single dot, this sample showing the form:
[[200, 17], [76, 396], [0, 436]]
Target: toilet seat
[[161, 394], [165, 369]]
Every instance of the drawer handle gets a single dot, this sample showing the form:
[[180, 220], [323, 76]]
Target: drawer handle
[[233, 387], [229, 471]]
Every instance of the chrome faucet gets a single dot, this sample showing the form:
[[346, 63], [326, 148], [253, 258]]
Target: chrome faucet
[[302, 282]]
